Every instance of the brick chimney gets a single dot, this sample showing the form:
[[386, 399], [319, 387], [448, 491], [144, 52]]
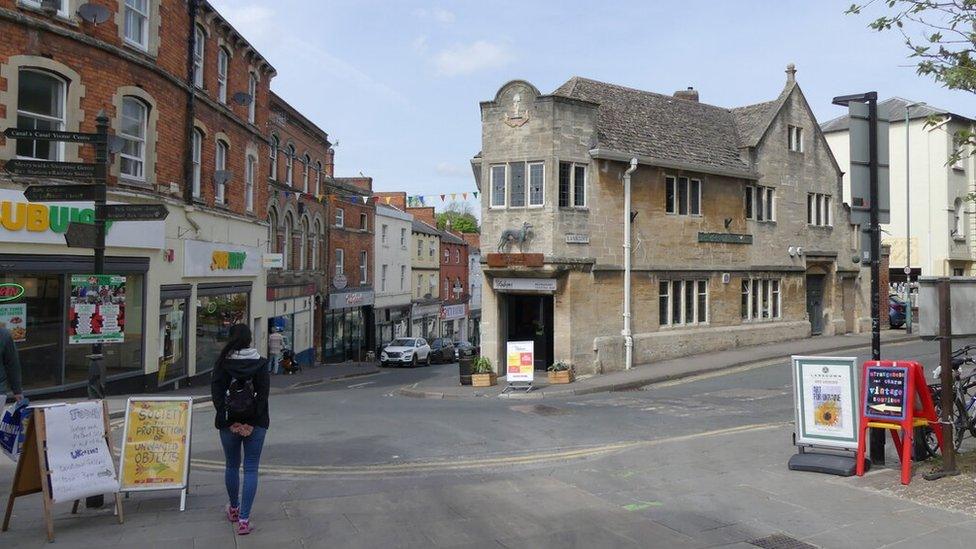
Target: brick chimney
[[425, 214], [691, 94], [397, 199]]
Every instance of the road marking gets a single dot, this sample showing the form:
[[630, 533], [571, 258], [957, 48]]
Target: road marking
[[460, 465], [360, 385]]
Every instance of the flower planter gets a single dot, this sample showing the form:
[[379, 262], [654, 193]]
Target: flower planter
[[483, 380], [561, 377]]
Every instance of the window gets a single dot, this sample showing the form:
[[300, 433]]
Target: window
[[340, 217], [682, 302], [252, 91], [957, 220], [420, 285], [498, 186], [433, 249], [318, 177], [221, 164], [760, 299], [273, 156], [383, 278], [516, 184], [133, 134], [363, 222], [958, 271], [199, 41], [287, 242], [58, 5], [403, 238], [340, 261], [446, 288], [579, 186], [760, 203], [432, 285], [447, 256], [536, 184], [420, 247], [197, 157], [223, 59], [457, 255], [137, 23], [289, 164], [363, 267], [403, 276], [303, 245], [383, 230], [682, 196], [316, 253], [819, 212], [307, 165], [40, 106], [572, 185], [795, 138], [249, 167]]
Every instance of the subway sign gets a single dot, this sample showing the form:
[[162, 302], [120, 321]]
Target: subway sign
[[31, 216], [222, 260], [10, 291]]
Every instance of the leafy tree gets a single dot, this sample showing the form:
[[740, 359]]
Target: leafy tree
[[461, 216], [941, 36]]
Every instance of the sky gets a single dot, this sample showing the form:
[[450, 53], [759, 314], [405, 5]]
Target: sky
[[397, 84]]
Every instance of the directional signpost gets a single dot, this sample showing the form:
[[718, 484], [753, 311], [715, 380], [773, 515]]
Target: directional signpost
[[135, 212], [60, 193], [52, 135], [43, 168], [80, 235]]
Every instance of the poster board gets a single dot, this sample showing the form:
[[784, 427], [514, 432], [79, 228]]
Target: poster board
[[13, 317], [97, 309], [886, 392], [825, 400], [156, 445], [520, 361]]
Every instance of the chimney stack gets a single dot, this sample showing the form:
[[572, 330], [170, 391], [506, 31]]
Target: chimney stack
[[691, 94], [790, 74]]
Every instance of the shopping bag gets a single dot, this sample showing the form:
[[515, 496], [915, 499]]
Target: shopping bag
[[13, 429]]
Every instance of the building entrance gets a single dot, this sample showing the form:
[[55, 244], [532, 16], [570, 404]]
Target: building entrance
[[530, 319]]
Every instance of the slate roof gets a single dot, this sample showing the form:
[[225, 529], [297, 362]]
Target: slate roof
[[892, 108], [661, 127], [752, 120], [451, 238], [421, 227]]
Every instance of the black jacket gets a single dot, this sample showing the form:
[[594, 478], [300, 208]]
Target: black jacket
[[9, 364], [243, 364]]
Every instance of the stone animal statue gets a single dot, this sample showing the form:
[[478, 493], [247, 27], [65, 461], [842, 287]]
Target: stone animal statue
[[515, 236]]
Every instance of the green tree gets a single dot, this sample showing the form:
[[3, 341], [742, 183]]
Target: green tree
[[941, 36], [461, 216]]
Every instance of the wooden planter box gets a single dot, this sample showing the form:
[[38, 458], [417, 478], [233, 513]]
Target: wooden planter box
[[562, 376], [483, 380]]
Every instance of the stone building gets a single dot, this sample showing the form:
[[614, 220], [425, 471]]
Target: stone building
[[738, 232], [392, 273]]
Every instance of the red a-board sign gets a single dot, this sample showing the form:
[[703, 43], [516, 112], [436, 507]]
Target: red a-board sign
[[895, 397]]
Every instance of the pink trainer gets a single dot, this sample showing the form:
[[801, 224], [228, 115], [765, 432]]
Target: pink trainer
[[243, 527], [233, 513]]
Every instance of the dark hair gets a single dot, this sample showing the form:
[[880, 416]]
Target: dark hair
[[239, 337]]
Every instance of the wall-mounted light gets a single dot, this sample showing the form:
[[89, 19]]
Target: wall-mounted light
[[792, 251]]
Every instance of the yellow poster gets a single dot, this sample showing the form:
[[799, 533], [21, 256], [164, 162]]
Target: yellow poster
[[155, 449]]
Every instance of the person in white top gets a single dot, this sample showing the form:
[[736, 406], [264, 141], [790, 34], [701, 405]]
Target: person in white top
[[275, 344]]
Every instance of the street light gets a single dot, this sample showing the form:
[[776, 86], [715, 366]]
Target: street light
[[908, 221]]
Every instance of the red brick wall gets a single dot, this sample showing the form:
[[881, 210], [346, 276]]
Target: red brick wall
[[453, 270], [351, 238]]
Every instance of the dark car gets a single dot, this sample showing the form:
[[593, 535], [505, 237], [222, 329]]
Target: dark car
[[464, 349], [442, 350], [897, 309]]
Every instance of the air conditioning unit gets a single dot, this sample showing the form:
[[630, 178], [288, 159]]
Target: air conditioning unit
[[726, 278]]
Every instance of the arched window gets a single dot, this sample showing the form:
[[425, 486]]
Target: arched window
[[40, 106], [316, 246], [133, 133], [197, 159], [272, 231], [274, 158], [957, 222], [318, 177], [287, 243], [249, 168], [199, 44], [289, 163], [303, 245], [220, 164], [307, 166], [223, 60]]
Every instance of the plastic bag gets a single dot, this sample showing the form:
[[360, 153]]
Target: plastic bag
[[13, 429]]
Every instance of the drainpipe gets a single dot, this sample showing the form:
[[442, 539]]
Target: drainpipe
[[192, 8], [628, 338]]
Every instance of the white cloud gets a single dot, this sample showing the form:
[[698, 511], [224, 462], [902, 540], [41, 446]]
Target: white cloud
[[468, 58], [448, 169]]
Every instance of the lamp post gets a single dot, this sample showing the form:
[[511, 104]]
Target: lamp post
[[908, 221]]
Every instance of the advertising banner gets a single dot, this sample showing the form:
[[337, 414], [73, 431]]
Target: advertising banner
[[520, 361], [13, 317], [825, 399], [156, 443], [97, 311]]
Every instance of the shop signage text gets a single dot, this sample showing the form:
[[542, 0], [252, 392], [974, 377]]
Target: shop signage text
[[273, 261], [451, 312], [350, 299], [516, 260], [10, 291], [222, 260], [525, 284], [53, 193], [136, 212], [201, 258]]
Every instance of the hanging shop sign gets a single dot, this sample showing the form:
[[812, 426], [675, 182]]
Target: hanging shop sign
[[825, 401], [26, 222], [97, 312], [346, 300], [525, 284], [13, 317], [452, 312], [273, 261], [156, 444], [520, 361], [202, 258]]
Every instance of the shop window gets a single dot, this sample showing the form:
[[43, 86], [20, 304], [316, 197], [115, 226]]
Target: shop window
[[215, 315], [173, 324], [40, 106]]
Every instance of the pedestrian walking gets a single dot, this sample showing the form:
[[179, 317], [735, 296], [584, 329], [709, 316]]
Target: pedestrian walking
[[10, 379], [276, 343], [239, 387]]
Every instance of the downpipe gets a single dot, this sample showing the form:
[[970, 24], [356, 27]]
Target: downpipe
[[626, 332]]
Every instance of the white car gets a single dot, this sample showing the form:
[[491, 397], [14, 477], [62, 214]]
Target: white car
[[406, 350]]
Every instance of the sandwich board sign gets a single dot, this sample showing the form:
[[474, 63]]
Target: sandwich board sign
[[825, 401], [156, 445], [67, 456], [520, 364]]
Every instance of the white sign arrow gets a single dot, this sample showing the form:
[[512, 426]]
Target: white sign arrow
[[885, 408]]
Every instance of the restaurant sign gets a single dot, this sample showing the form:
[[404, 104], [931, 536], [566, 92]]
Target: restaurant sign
[[203, 258], [344, 300], [452, 312]]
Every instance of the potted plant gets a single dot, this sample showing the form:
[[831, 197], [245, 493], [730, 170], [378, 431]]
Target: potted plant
[[560, 372], [482, 374]]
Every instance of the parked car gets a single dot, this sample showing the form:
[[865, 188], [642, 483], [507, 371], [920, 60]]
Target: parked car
[[897, 308], [406, 350], [442, 350], [464, 349]]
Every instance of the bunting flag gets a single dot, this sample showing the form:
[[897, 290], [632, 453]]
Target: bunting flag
[[388, 200], [365, 199], [465, 195], [453, 196], [442, 198]]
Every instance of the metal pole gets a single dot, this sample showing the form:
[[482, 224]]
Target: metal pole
[[946, 376], [877, 435]]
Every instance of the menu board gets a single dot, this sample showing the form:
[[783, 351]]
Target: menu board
[[156, 443], [520, 361], [13, 317], [885, 390], [97, 312], [77, 452]]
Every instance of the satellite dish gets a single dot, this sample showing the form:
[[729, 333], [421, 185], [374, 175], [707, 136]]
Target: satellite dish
[[242, 98], [93, 13]]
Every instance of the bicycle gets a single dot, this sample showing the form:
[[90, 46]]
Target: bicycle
[[964, 411]]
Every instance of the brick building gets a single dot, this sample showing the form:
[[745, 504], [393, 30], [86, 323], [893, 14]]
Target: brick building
[[454, 286], [348, 323], [193, 140], [300, 163]]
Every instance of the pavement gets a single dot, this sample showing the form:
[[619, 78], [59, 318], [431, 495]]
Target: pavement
[[447, 384]]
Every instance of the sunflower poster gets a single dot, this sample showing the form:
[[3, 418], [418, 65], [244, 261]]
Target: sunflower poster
[[825, 393]]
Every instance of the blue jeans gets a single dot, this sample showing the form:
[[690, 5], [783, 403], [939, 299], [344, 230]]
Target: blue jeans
[[252, 445], [273, 362]]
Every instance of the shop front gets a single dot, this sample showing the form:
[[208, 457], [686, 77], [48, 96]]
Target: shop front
[[391, 323], [452, 320], [290, 312], [423, 318], [346, 326]]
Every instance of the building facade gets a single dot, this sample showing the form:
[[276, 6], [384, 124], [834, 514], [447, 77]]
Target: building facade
[[454, 286], [474, 287], [347, 327], [392, 273], [942, 228], [187, 98], [738, 234]]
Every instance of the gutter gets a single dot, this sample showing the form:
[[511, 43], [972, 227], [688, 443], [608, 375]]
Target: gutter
[[628, 337], [609, 154]]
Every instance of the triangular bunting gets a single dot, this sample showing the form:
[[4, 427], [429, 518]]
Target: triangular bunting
[[453, 196], [474, 194], [365, 199], [388, 199], [465, 195], [442, 198]]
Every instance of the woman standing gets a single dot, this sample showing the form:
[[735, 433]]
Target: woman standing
[[239, 388]]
